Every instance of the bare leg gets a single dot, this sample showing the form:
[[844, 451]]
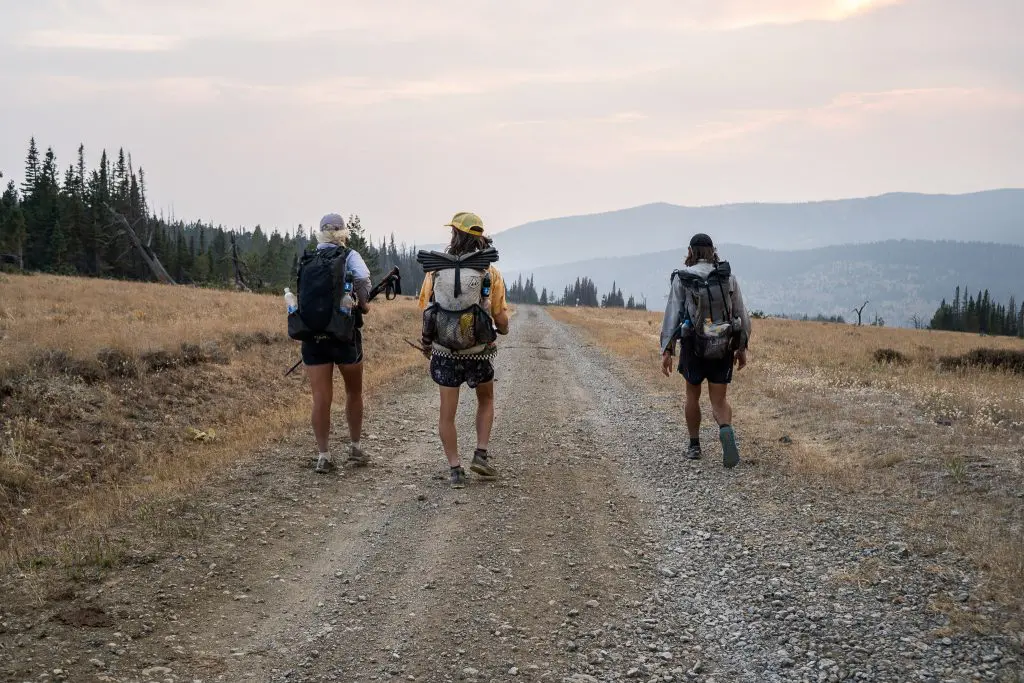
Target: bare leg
[[353, 376], [719, 405], [484, 414], [446, 424], [692, 410], [321, 381]]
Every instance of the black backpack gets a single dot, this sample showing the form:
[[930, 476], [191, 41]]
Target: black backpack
[[321, 281]]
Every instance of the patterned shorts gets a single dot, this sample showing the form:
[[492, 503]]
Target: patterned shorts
[[453, 372]]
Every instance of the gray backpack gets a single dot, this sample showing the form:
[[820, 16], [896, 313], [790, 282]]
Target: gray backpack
[[713, 332]]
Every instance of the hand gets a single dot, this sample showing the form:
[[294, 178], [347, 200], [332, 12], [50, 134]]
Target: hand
[[666, 364], [741, 359], [501, 330]]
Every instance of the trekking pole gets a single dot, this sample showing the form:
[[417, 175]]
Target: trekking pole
[[390, 284]]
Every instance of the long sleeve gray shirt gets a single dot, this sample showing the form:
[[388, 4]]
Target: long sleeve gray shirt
[[676, 300]]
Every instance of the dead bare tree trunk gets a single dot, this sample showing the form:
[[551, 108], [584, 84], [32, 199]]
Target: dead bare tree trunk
[[151, 259], [859, 311], [239, 280]]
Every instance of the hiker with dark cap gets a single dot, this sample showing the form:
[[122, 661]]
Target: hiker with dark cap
[[706, 313], [463, 304]]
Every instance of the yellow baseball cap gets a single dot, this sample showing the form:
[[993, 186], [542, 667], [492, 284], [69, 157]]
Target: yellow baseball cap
[[467, 222]]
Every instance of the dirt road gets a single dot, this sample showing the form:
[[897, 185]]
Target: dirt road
[[600, 554]]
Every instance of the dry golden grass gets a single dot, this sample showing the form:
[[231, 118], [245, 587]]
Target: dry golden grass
[[82, 316], [82, 447], [946, 446]]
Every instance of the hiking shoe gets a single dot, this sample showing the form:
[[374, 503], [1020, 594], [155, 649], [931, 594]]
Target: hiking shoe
[[357, 457], [693, 452], [458, 478], [324, 465], [730, 454], [481, 466]]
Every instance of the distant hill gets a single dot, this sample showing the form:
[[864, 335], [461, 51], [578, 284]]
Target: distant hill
[[993, 216], [900, 277]]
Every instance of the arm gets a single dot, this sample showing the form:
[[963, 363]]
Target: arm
[[499, 306], [739, 310], [426, 290], [670, 323], [361, 284]]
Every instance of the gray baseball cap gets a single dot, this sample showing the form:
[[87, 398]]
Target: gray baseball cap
[[332, 221]]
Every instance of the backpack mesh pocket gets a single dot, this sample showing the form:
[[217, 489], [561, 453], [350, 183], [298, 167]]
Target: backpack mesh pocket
[[714, 341], [461, 330]]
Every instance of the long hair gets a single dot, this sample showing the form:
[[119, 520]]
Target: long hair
[[337, 236], [464, 243], [697, 254]]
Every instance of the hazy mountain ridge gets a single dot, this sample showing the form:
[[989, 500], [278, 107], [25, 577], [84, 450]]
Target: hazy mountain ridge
[[991, 216], [901, 278]]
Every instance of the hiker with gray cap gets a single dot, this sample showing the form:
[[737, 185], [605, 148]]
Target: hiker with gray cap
[[333, 295], [705, 312]]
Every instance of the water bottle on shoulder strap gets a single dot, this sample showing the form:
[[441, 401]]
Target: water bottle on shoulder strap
[[348, 302]]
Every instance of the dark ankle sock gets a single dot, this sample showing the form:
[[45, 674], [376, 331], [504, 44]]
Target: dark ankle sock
[[482, 452], [721, 427], [695, 441], [455, 467]]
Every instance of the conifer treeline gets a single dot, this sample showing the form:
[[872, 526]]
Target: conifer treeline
[[582, 293], [70, 224], [979, 314]]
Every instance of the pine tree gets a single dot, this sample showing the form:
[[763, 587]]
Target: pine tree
[[31, 168], [12, 224]]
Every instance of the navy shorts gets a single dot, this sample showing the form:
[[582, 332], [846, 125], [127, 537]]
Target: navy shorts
[[696, 370], [453, 372], [331, 351]]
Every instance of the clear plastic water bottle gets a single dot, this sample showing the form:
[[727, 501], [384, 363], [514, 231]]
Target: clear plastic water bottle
[[348, 302], [290, 301]]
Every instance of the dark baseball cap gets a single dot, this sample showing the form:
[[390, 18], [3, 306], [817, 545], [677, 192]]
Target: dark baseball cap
[[701, 240]]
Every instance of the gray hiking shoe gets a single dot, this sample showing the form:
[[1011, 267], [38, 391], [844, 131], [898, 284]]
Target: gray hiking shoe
[[458, 478], [693, 452], [357, 457], [481, 466], [324, 465], [730, 453]]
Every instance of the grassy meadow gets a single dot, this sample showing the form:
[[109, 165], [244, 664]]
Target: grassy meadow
[[943, 447], [116, 394]]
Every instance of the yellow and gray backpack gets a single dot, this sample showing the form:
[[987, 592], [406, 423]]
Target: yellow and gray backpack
[[457, 318]]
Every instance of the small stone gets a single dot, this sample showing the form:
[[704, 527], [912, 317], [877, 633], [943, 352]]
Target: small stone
[[98, 663], [571, 646], [470, 672], [593, 603], [514, 671], [421, 497], [668, 572]]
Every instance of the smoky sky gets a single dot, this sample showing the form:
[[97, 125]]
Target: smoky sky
[[257, 111]]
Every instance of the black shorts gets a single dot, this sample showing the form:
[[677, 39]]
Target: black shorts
[[331, 351], [696, 370], [453, 372]]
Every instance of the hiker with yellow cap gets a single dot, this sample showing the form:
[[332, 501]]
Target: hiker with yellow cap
[[464, 307]]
